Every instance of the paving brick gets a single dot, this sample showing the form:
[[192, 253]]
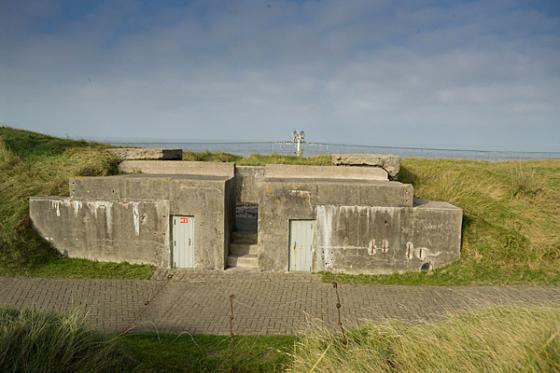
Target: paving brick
[[273, 304]]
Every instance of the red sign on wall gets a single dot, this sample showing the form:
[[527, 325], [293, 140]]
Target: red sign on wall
[[184, 220]]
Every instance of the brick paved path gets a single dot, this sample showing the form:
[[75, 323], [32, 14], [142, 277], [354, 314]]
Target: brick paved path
[[265, 304]]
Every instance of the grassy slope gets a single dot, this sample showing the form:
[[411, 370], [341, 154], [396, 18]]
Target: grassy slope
[[511, 224], [35, 164]]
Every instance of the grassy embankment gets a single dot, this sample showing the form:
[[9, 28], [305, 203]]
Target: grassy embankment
[[511, 228], [34, 164], [511, 223], [499, 339]]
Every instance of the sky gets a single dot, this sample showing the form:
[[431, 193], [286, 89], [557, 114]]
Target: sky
[[454, 74]]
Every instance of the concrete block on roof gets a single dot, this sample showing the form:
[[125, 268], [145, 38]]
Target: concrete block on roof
[[247, 187], [388, 162], [324, 172], [178, 168], [147, 153]]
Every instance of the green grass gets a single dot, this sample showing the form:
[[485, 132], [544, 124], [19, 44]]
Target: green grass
[[185, 353], [495, 339], [59, 266], [32, 341], [34, 164], [257, 159], [498, 339]]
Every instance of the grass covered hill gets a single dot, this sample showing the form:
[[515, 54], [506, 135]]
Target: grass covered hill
[[35, 164], [511, 227], [511, 220]]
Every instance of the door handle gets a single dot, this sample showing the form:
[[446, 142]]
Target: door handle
[[189, 242]]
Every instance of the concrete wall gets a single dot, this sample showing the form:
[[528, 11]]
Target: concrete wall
[[383, 240], [178, 168], [361, 227], [283, 199], [105, 230], [207, 198]]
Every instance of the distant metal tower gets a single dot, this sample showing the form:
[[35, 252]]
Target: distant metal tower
[[298, 138]]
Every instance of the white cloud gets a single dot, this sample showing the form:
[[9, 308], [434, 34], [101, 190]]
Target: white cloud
[[476, 74]]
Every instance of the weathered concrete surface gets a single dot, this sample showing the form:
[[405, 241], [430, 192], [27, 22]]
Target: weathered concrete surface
[[79, 232], [147, 153], [264, 304], [384, 240], [324, 172], [390, 163], [283, 200], [178, 167], [247, 183], [105, 230]]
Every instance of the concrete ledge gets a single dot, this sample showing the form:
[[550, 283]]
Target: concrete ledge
[[138, 187], [390, 163], [147, 153], [178, 167], [324, 172]]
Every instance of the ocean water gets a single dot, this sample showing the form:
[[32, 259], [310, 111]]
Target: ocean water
[[286, 148]]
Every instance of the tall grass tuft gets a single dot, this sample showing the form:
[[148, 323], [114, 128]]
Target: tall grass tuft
[[524, 182], [31, 341], [492, 340]]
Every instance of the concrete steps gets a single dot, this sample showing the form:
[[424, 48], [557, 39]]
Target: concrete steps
[[240, 249], [243, 251], [245, 261]]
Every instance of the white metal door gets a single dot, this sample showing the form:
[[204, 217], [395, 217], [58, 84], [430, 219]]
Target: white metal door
[[183, 241], [302, 234]]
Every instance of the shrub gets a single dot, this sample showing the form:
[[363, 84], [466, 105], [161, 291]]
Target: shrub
[[31, 341]]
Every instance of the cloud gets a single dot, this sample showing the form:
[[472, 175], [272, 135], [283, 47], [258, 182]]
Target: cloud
[[473, 74]]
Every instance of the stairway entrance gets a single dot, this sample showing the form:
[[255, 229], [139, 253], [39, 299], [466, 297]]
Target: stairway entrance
[[243, 246]]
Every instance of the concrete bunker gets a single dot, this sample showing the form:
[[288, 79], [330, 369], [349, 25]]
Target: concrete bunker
[[281, 218]]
